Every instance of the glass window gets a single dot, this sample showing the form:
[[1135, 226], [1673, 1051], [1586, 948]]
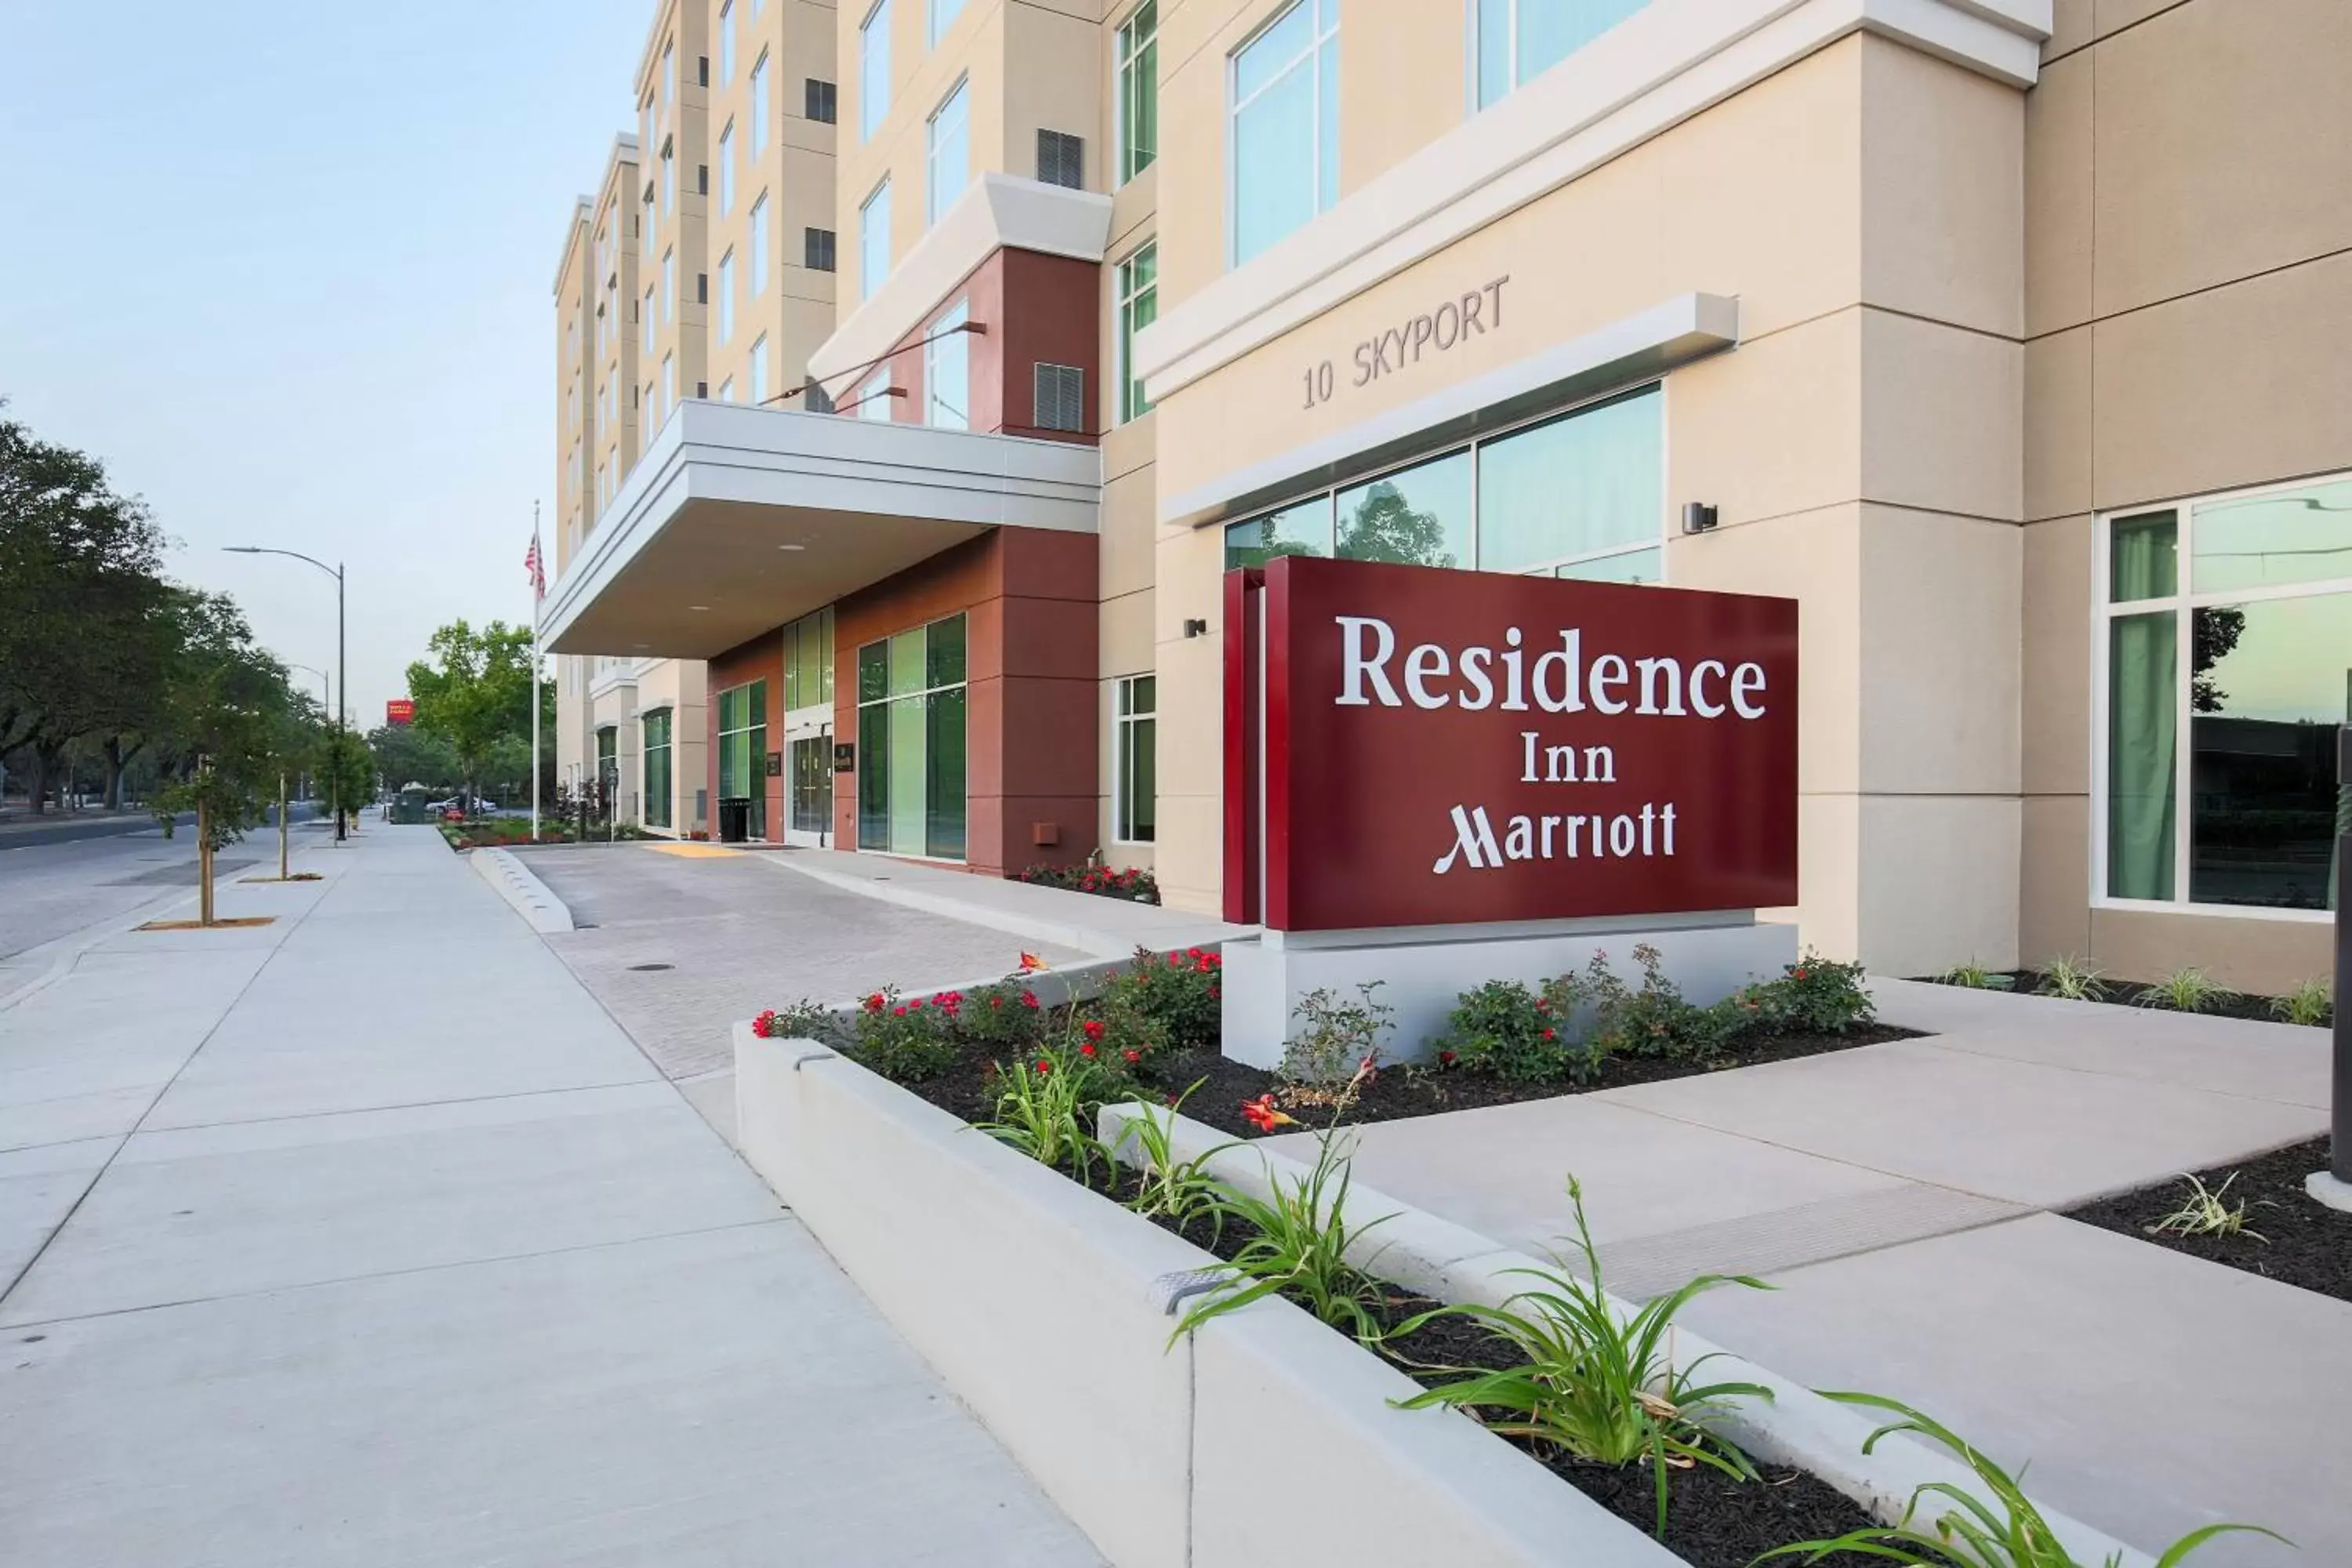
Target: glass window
[[1138, 307], [947, 372], [726, 171], [873, 241], [646, 316], [2253, 652], [668, 186], [943, 15], [872, 70], [1135, 751], [1138, 90], [758, 241], [669, 381], [912, 751], [874, 397], [759, 370], [1578, 487], [949, 158], [759, 74], [1285, 136], [669, 284], [659, 773], [1515, 41], [727, 390], [727, 296], [1420, 516], [725, 42], [808, 661], [1301, 529], [743, 751]]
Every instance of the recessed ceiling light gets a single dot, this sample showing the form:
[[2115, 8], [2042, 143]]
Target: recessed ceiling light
[[792, 547], [697, 606]]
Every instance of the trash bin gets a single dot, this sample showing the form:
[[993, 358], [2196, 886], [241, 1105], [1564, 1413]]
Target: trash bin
[[734, 821]]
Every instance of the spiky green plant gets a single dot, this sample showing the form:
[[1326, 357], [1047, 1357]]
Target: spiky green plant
[[2185, 991], [1975, 976], [1300, 1236], [2067, 977], [1044, 1108], [2206, 1213], [1595, 1384], [2311, 1004], [2007, 1532], [1180, 1190]]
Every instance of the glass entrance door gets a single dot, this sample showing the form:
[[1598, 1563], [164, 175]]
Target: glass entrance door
[[812, 787]]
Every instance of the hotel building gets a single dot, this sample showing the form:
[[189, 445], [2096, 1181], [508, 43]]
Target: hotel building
[[2012, 338]]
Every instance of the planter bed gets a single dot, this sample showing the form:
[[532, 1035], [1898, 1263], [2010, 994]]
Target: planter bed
[[2253, 1007], [2306, 1242]]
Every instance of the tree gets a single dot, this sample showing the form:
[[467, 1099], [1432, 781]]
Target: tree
[[477, 691], [405, 757]]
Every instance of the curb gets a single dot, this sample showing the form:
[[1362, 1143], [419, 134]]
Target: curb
[[531, 898], [1084, 939], [1438, 1258]]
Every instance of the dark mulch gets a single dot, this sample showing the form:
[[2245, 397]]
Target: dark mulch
[[1713, 1521], [1402, 1092], [2306, 1242], [2125, 994]]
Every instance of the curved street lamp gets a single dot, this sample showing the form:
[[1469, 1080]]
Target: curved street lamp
[[342, 687]]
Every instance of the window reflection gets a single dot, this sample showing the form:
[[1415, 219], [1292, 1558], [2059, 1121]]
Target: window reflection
[[1417, 517]]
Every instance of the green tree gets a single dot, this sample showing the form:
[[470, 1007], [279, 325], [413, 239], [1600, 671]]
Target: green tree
[[475, 691], [403, 756]]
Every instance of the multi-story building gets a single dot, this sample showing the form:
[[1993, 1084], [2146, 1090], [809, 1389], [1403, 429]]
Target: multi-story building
[[2033, 396]]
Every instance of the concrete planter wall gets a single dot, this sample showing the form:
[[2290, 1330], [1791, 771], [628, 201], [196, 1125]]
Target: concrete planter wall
[[1263, 1438]]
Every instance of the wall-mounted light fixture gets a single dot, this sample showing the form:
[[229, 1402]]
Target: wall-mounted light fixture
[[1697, 517], [1196, 629]]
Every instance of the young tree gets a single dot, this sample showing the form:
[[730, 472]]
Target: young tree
[[226, 705], [476, 691]]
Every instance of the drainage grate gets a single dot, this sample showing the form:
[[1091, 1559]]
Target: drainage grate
[[641, 968]]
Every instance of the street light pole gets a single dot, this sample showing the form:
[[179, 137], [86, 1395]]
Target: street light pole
[[342, 670]]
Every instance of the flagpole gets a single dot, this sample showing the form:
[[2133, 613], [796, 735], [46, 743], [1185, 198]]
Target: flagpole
[[536, 570]]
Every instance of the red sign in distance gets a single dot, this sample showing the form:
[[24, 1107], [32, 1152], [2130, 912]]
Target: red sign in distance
[[1412, 745], [399, 711]]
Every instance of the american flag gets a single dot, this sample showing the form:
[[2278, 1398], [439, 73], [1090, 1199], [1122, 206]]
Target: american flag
[[536, 567]]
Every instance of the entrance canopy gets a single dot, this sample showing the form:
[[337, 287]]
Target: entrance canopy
[[737, 519]]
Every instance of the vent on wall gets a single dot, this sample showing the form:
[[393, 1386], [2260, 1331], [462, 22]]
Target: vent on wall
[[1060, 394], [816, 398], [819, 102], [818, 246], [1062, 158]]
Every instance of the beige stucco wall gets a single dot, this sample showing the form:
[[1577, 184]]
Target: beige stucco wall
[[674, 111], [614, 224], [576, 409], [2189, 311]]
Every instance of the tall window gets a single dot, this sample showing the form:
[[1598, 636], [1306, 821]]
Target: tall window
[[658, 769], [873, 241], [668, 184], [758, 244], [1135, 761], [669, 284], [759, 370], [1284, 140], [727, 390], [911, 742], [1138, 307], [646, 229], [947, 372], [743, 752], [760, 106], [725, 42], [808, 662], [949, 157], [1512, 42], [872, 70], [727, 296], [943, 15], [1138, 90], [1581, 495], [647, 318], [727, 170], [669, 381], [2228, 625]]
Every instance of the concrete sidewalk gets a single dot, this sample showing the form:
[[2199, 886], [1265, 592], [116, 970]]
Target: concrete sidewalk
[[367, 1237], [1898, 1192]]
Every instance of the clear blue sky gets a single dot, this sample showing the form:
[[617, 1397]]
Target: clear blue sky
[[287, 270]]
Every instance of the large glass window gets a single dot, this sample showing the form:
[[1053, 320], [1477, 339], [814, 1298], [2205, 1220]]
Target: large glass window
[[759, 370], [659, 773], [743, 751], [1138, 307], [726, 171], [669, 284], [1138, 90], [911, 744], [947, 372], [1284, 137], [759, 74], [757, 240], [727, 296], [808, 662], [1513, 42], [949, 156], [873, 241], [2229, 626], [1582, 495], [1135, 761], [943, 15], [725, 42], [872, 70]]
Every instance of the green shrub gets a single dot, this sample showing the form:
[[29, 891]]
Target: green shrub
[[1974, 977], [1335, 1038], [1173, 996], [1133, 884], [2070, 980], [1005, 1013], [2185, 991], [1813, 996], [2311, 1003], [803, 1020], [1504, 1028], [905, 1041], [1653, 1021]]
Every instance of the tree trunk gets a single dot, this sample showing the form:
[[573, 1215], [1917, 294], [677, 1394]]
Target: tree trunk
[[281, 827], [204, 861], [37, 788], [114, 772]]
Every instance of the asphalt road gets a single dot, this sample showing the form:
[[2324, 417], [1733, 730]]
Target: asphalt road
[[54, 889]]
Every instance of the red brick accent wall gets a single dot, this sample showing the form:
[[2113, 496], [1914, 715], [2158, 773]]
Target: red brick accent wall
[[761, 658], [1034, 308], [1029, 595]]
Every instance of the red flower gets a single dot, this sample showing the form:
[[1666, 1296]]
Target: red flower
[[994, 1003], [874, 1003], [1044, 1066], [915, 1006], [1797, 974], [1176, 958], [1446, 1059], [1212, 993], [1094, 1028], [1132, 1057], [764, 1023], [1087, 1051], [1191, 952], [1547, 1034], [1029, 999], [899, 1011], [1543, 1006], [1030, 960], [1261, 1114]]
